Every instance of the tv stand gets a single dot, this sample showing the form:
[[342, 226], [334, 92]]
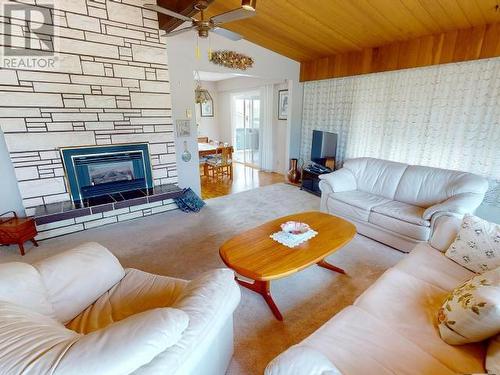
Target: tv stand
[[310, 181]]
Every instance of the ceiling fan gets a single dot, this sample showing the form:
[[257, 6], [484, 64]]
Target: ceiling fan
[[204, 26]]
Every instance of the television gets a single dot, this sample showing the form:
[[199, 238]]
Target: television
[[324, 146]]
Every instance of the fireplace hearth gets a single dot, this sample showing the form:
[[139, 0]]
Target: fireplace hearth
[[97, 171]]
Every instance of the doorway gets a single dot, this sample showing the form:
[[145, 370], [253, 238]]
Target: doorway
[[246, 109]]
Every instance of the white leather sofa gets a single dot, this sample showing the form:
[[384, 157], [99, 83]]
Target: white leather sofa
[[80, 312], [392, 327], [396, 203]]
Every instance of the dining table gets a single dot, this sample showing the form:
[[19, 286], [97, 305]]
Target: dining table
[[206, 149]]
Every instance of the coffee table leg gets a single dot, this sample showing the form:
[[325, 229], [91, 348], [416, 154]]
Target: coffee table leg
[[262, 287], [330, 267]]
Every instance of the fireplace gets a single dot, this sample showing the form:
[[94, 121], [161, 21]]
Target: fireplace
[[97, 171]]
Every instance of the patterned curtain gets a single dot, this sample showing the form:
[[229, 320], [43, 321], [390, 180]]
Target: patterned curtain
[[445, 116]]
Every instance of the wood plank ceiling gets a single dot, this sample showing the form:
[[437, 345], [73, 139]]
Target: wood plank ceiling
[[334, 38], [309, 29]]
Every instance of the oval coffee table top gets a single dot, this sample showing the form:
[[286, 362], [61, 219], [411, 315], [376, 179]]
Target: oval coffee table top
[[255, 255]]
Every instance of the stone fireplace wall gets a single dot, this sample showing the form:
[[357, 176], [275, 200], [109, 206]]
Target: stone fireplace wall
[[111, 86]]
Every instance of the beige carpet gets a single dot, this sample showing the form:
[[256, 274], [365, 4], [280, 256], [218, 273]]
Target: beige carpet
[[184, 245]]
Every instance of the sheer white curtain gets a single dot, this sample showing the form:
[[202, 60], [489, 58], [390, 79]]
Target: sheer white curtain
[[445, 116], [266, 128]]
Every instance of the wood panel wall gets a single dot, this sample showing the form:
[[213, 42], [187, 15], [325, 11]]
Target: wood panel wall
[[460, 45]]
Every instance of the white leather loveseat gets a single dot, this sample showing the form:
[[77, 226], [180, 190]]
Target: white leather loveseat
[[395, 203], [80, 312], [392, 327]]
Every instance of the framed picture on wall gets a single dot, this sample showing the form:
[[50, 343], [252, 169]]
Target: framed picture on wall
[[282, 104], [207, 109]]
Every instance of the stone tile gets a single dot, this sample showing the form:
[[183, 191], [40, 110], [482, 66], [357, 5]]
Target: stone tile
[[55, 224], [126, 33], [106, 39], [74, 116], [82, 47], [146, 100], [109, 90], [59, 231], [102, 208], [8, 77], [149, 137], [149, 54], [26, 173], [93, 68], [40, 141], [130, 216], [124, 13], [67, 88], [46, 186], [165, 208], [116, 212], [19, 112], [153, 86], [83, 219], [43, 77], [91, 80], [145, 206], [100, 101], [100, 222], [125, 71], [77, 21], [76, 6], [28, 99], [12, 125]]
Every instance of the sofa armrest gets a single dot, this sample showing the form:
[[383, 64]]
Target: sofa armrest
[[341, 180], [445, 231], [301, 360], [124, 346], [212, 294], [459, 204]]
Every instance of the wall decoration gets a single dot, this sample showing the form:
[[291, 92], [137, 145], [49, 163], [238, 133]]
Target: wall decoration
[[444, 116], [282, 104], [186, 155], [183, 128], [207, 108], [231, 59]]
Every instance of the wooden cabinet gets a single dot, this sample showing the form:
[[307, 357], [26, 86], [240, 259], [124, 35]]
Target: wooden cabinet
[[17, 230]]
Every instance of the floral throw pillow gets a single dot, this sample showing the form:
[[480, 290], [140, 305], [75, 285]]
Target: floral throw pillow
[[471, 312], [477, 245]]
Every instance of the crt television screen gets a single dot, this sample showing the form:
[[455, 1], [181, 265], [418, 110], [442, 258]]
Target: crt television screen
[[324, 145]]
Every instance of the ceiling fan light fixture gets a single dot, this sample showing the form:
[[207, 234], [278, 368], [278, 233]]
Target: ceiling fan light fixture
[[249, 4]]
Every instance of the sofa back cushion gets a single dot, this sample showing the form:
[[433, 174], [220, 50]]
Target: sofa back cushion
[[376, 176], [76, 278], [426, 186], [30, 343], [20, 283]]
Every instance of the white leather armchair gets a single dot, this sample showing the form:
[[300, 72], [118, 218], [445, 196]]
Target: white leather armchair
[[398, 204], [80, 312]]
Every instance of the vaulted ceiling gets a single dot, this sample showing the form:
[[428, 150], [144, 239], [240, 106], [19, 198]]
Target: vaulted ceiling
[[309, 29]]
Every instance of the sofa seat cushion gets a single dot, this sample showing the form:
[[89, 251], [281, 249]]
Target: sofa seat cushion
[[360, 199], [417, 232], [429, 265], [403, 211], [357, 343], [336, 207], [138, 291], [409, 306]]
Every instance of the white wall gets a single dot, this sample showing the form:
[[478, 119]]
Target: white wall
[[243, 84], [209, 126], [10, 197], [268, 65]]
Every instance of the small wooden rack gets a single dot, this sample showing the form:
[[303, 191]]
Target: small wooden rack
[[17, 230]]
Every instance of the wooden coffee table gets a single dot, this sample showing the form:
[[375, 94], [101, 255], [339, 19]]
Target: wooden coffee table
[[254, 255]]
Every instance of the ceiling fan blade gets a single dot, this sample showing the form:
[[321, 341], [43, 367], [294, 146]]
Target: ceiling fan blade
[[227, 33], [233, 15], [167, 12], [180, 31]]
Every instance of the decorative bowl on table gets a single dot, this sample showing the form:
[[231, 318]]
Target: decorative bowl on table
[[295, 227]]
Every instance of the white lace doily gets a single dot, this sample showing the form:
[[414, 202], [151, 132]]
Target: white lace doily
[[292, 240]]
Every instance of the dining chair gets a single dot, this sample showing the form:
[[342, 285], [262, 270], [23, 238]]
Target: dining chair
[[202, 139], [221, 164]]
